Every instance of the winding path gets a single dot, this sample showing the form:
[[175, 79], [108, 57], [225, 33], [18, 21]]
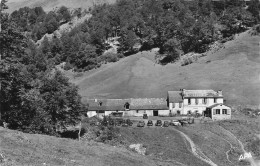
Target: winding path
[[252, 162], [195, 150]]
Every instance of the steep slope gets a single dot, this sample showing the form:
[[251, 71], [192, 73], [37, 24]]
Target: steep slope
[[17, 148], [49, 5], [234, 69]]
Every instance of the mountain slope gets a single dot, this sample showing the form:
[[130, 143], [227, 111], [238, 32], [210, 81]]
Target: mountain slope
[[234, 69], [49, 5], [17, 148]]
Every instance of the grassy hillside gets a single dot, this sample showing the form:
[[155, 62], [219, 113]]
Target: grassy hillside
[[17, 148], [49, 5], [234, 69], [222, 142]]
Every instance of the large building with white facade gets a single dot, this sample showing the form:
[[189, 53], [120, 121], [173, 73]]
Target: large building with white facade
[[209, 103], [193, 101]]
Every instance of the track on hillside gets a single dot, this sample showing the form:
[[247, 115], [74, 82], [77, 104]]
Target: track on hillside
[[251, 160], [195, 150]]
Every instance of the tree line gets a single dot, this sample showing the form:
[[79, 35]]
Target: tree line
[[35, 97], [175, 26]]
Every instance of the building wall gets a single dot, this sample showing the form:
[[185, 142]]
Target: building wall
[[175, 107], [91, 113], [163, 112], [138, 113], [200, 106], [221, 116]]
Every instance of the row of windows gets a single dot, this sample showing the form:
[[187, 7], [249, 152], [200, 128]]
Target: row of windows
[[217, 111], [204, 101]]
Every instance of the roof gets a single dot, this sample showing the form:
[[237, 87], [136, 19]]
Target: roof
[[148, 104], [119, 104], [201, 93], [105, 104], [174, 96], [215, 105]]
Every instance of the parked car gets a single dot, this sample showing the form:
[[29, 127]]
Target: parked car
[[158, 123], [129, 122], [145, 116], [124, 124], [150, 123], [175, 123], [166, 124], [183, 122], [141, 124], [117, 123]]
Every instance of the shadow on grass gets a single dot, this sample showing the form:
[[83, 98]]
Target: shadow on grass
[[72, 134]]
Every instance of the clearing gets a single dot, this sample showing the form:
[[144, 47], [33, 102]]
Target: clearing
[[234, 69]]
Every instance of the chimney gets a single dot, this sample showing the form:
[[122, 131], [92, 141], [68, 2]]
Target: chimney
[[219, 92]]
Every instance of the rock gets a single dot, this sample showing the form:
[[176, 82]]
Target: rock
[[139, 148]]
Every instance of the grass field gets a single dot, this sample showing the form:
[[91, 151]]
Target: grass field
[[162, 144], [219, 141], [20, 149], [49, 5], [235, 69]]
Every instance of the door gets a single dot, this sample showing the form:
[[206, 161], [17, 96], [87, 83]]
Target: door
[[155, 113]]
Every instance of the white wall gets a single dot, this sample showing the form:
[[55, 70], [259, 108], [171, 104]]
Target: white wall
[[174, 107], [221, 116], [163, 112], [91, 113]]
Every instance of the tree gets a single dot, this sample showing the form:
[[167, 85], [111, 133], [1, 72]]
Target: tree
[[172, 50], [254, 8], [64, 12], [52, 25]]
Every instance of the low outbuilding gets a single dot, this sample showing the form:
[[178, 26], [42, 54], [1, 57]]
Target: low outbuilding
[[218, 112]]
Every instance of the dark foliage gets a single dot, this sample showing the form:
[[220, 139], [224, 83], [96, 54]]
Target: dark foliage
[[35, 97]]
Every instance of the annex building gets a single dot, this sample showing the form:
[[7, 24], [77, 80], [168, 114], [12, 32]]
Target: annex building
[[208, 103]]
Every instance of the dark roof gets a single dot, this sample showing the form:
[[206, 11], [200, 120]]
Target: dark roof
[[148, 104], [200, 93], [119, 104], [174, 96], [214, 105], [105, 104]]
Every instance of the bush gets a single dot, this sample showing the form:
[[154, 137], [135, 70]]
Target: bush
[[68, 66], [109, 57], [190, 58], [255, 30]]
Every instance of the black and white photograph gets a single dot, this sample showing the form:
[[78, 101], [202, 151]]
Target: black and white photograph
[[129, 82]]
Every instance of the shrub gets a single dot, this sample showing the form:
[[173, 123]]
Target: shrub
[[109, 57], [68, 66], [190, 58]]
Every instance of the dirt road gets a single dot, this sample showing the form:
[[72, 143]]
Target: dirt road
[[195, 150]]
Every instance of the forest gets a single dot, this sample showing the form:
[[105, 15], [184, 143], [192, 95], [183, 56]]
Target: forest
[[36, 97]]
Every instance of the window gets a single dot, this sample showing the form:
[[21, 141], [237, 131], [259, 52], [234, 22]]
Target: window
[[217, 111], [100, 103], [189, 101], [100, 111], [136, 111], [127, 105], [173, 105], [215, 100], [224, 111], [189, 112], [179, 105], [205, 100], [196, 101], [178, 112]]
